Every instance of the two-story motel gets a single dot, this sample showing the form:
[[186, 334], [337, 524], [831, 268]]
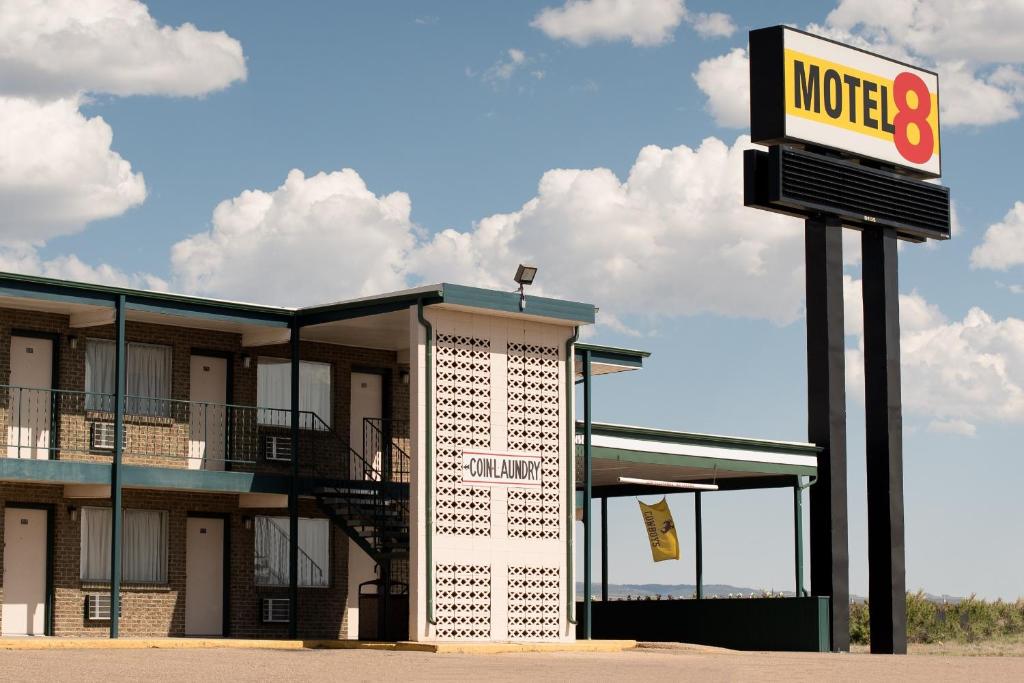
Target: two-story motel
[[180, 466]]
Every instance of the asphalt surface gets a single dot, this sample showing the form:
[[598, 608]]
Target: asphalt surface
[[643, 664]]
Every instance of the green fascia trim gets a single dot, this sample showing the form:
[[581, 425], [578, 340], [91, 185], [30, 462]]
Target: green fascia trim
[[668, 436], [365, 307], [211, 312], [710, 464], [600, 348], [46, 293], [508, 302], [137, 476], [610, 356]]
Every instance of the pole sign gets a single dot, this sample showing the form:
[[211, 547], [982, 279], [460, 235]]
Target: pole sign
[[814, 91], [500, 469]]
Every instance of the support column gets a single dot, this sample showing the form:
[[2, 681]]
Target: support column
[[604, 549], [798, 538], [826, 421], [116, 511], [587, 472], [884, 442], [293, 491], [698, 555]]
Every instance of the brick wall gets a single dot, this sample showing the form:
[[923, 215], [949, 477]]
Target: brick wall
[[156, 611]]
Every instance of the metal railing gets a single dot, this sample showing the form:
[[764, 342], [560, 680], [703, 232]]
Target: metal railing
[[384, 444], [272, 550], [44, 423]]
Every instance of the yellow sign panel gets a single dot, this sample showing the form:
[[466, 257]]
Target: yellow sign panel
[[903, 111], [661, 530]]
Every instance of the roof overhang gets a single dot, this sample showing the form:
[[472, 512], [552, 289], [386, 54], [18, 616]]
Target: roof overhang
[[608, 360]]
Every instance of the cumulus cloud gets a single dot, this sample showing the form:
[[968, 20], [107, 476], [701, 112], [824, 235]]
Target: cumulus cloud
[[971, 43], [24, 258], [310, 240], [725, 81], [58, 48], [1003, 244], [583, 22], [505, 68], [713, 25], [58, 171], [673, 234], [956, 373]]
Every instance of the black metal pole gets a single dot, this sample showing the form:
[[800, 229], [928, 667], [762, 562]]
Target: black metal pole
[[587, 517], [826, 421], [698, 554], [116, 512], [884, 442], [604, 549], [293, 491]]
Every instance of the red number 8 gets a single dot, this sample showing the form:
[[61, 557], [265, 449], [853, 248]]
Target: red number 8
[[922, 150]]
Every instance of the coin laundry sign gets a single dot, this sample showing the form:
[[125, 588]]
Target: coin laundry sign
[[810, 90], [495, 469]]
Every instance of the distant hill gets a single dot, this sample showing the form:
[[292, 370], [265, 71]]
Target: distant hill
[[639, 591]]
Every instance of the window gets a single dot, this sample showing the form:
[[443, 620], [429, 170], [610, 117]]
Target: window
[[272, 551], [274, 392], [144, 550], [148, 377]]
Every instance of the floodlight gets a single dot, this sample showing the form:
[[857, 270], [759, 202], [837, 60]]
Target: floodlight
[[525, 275]]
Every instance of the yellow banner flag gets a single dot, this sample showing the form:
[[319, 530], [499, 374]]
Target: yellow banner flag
[[661, 530]]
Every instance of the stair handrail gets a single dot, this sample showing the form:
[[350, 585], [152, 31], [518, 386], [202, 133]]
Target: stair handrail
[[302, 554]]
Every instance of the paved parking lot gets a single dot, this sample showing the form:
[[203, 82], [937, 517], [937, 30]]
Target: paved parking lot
[[650, 665]]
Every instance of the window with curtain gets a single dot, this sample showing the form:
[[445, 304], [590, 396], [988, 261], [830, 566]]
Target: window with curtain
[[272, 536], [274, 392], [148, 377], [144, 549]]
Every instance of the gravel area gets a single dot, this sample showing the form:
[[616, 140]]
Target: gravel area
[[642, 664]]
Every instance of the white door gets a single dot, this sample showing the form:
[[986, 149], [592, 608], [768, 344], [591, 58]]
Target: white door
[[367, 401], [204, 577], [208, 386], [24, 608], [28, 433]]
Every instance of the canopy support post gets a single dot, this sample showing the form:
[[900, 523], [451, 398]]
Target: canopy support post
[[699, 550]]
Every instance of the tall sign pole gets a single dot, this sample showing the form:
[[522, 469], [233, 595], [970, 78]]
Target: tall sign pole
[[826, 420], [852, 138]]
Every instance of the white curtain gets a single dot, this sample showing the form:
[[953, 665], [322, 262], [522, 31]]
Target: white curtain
[[99, 374], [272, 536], [145, 546], [148, 376], [274, 391], [95, 555], [144, 553], [149, 379]]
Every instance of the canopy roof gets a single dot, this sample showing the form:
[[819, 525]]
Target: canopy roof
[[607, 360]]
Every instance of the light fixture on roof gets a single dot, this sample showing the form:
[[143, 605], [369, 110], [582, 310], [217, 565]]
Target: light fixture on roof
[[524, 276]]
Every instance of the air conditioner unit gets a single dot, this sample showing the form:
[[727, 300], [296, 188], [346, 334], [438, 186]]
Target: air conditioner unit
[[275, 610], [97, 607], [103, 436], [278, 448]]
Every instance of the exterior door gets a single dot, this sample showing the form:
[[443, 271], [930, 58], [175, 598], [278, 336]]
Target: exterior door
[[367, 401], [204, 577], [208, 387], [24, 608], [28, 433]]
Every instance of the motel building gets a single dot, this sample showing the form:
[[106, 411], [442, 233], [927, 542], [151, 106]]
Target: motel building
[[410, 466]]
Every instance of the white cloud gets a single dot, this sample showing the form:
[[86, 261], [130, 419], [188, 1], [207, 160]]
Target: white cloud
[[674, 235], [58, 172], [725, 81], [310, 240], [958, 427], [973, 45], [582, 22], [1003, 244], [24, 258], [954, 372], [506, 67], [59, 48], [713, 25]]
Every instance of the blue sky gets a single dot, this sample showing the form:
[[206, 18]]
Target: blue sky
[[451, 116]]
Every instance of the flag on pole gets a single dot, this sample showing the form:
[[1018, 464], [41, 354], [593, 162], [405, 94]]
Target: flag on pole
[[661, 530]]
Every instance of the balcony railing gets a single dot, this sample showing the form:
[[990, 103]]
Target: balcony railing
[[47, 424]]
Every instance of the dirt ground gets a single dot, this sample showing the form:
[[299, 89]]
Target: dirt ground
[[641, 664]]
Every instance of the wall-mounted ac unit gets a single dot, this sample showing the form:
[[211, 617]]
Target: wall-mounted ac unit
[[97, 607], [278, 448], [275, 610], [103, 436]]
